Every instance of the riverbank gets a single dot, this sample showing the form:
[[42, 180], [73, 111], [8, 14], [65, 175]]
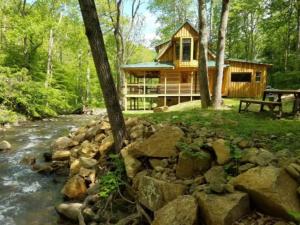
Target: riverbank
[[169, 172]]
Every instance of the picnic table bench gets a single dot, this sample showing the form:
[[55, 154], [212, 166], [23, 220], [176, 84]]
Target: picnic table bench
[[271, 105]]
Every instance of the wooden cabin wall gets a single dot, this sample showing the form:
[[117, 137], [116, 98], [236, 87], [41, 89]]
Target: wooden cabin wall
[[168, 56], [251, 89], [186, 31]]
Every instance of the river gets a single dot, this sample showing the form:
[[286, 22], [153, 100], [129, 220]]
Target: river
[[26, 197]]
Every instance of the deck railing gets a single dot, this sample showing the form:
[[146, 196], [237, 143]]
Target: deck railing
[[162, 89]]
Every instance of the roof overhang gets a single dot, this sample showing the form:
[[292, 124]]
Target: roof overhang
[[149, 66]]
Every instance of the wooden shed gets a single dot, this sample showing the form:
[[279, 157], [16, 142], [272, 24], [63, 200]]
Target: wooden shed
[[173, 77]]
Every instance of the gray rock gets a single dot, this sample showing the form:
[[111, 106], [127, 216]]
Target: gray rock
[[69, 210], [5, 145]]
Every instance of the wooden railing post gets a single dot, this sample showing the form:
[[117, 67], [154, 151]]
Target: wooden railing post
[[125, 93], [165, 97], [144, 91], [192, 78], [179, 92]]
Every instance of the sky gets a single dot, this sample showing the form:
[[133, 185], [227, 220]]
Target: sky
[[150, 22]]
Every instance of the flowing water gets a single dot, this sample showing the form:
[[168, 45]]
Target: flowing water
[[26, 197]]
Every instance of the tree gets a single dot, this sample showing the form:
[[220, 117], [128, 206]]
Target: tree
[[95, 37], [217, 95], [203, 49]]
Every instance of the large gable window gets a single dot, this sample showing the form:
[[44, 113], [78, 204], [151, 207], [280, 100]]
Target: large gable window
[[241, 77], [177, 50], [186, 49]]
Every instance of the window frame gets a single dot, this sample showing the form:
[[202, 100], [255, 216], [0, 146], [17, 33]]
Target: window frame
[[258, 74], [240, 80], [190, 49]]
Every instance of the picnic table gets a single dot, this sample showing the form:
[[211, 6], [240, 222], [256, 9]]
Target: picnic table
[[279, 93]]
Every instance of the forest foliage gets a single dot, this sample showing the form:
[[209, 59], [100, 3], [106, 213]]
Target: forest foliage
[[46, 66]]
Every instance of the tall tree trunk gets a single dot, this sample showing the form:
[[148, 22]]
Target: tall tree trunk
[[49, 62], [88, 80], [203, 49], [217, 96], [95, 37], [298, 24], [211, 20]]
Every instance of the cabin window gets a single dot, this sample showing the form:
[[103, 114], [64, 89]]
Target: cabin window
[[195, 49], [258, 77], [177, 50], [241, 77], [186, 49], [184, 78]]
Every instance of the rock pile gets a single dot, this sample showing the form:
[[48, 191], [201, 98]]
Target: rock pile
[[175, 175]]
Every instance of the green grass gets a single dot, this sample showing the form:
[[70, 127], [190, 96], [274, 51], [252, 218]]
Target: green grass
[[277, 134]]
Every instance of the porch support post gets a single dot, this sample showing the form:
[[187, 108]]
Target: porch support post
[[165, 97], [126, 92], [144, 91], [192, 81], [179, 92]]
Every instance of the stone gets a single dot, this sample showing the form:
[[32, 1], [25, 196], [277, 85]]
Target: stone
[[88, 150], [137, 131], [75, 188], [190, 165], [245, 167], [100, 137], [271, 189], [294, 171], [161, 144], [87, 162], [244, 144], [222, 151], [69, 210], [43, 168], [132, 165], [61, 155], [249, 155], [256, 156], [216, 172], [223, 209], [62, 143], [154, 193], [161, 109], [88, 174], [158, 162], [79, 137], [182, 210], [5, 145], [88, 214], [106, 145], [105, 125], [28, 160], [92, 132], [75, 167]]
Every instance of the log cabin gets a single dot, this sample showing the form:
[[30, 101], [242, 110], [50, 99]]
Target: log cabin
[[173, 77]]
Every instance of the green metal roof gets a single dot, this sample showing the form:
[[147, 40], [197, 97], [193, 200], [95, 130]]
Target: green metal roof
[[149, 65], [212, 63], [247, 61]]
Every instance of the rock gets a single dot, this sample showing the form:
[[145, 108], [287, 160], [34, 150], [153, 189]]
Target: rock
[[245, 167], [132, 165], [106, 145], [161, 109], [69, 210], [137, 131], [75, 188], [75, 167], [222, 151], [223, 209], [88, 214], [88, 163], [244, 144], [161, 144], [61, 155], [100, 137], [271, 189], [158, 162], [88, 150], [5, 145], [216, 177], [182, 210], [62, 143], [43, 168], [79, 137], [47, 156], [154, 193], [294, 171], [260, 157], [28, 160], [190, 165], [105, 125]]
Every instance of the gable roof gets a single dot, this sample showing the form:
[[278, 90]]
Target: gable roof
[[149, 65]]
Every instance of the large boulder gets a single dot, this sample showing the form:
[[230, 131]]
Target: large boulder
[[162, 144], [5, 145], [222, 151], [69, 210], [182, 210], [61, 155], [154, 193], [271, 189], [257, 156], [132, 165], [190, 165], [87, 162], [75, 188], [63, 143], [216, 177], [106, 145], [223, 209]]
